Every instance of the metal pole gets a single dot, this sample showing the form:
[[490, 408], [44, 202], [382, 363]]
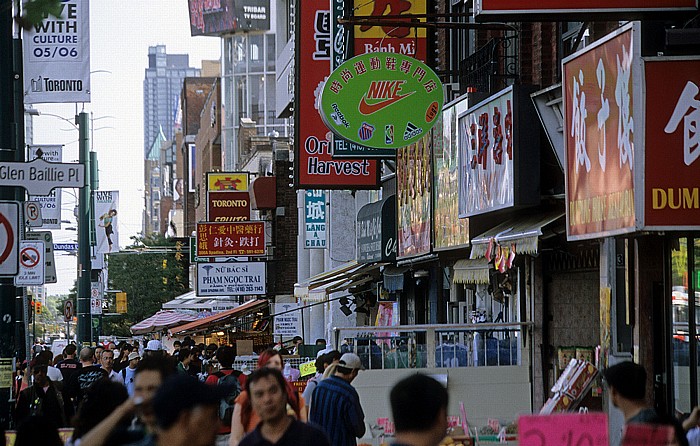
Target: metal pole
[[84, 330]]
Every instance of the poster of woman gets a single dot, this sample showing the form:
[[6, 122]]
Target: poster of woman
[[106, 228]]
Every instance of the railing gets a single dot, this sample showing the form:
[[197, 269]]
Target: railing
[[430, 346], [492, 67]]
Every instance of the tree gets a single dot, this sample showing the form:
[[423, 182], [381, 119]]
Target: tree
[[150, 274]]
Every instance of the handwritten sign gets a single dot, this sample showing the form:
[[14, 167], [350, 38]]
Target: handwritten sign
[[307, 368], [648, 435], [564, 430]]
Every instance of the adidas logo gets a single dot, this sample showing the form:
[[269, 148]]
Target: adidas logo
[[411, 131]]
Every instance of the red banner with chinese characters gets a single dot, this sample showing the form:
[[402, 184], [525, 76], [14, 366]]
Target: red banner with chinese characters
[[672, 144], [599, 93], [313, 164], [231, 239]]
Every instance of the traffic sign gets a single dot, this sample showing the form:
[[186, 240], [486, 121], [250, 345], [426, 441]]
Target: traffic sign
[[9, 238], [68, 310], [32, 214], [39, 177], [95, 298], [31, 263], [47, 238], [65, 247]]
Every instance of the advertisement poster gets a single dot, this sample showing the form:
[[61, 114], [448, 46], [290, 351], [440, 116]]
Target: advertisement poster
[[228, 279], [672, 144], [449, 230], [315, 219], [314, 166], [600, 90], [414, 186], [387, 316], [216, 17], [57, 56], [231, 239], [50, 204], [106, 206]]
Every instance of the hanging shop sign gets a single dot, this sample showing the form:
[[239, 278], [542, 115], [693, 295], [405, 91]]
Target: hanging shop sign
[[231, 239], [413, 189], [315, 219], [499, 153], [672, 143], [314, 166], [51, 203], [228, 206], [217, 17], [57, 56], [106, 206], [530, 9], [601, 92], [449, 230], [382, 100], [227, 279], [227, 181], [376, 231]]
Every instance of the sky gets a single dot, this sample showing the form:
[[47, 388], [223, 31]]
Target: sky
[[120, 33]]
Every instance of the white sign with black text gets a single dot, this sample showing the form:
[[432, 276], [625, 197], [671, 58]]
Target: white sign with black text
[[233, 278], [51, 203], [287, 320], [31, 263]]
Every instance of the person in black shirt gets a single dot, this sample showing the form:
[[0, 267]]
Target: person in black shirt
[[41, 398], [86, 376], [69, 364], [419, 407]]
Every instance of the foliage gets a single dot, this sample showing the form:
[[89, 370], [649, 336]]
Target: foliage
[[35, 11], [150, 274]]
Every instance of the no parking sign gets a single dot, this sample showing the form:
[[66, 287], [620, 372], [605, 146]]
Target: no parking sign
[[31, 263]]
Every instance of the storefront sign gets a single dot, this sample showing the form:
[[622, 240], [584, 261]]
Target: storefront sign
[[314, 167], [231, 239], [227, 279], [450, 231], [227, 181], [228, 206], [413, 181], [287, 320], [485, 9], [216, 17], [601, 91], [57, 56], [382, 100], [376, 231], [672, 144], [50, 204], [315, 219]]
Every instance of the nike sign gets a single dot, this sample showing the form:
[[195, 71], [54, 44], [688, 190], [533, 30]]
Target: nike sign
[[368, 109]]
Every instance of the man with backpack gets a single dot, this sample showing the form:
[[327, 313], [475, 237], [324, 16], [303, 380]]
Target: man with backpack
[[226, 376]]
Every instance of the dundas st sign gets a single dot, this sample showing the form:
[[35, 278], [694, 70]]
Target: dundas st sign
[[382, 100]]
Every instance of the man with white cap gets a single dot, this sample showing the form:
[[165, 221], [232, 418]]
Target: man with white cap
[[129, 371], [336, 408]]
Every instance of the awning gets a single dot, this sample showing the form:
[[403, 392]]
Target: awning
[[220, 318], [376, 231], [318, 287], [549, 106], [471, 271], [190, 301], [393, 277], [523, 232], [162, 320]]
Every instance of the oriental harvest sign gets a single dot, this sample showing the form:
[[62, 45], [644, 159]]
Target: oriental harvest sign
[[231, 239], [382, 100]]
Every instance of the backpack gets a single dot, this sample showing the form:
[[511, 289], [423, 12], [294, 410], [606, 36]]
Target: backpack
[[227, 403]]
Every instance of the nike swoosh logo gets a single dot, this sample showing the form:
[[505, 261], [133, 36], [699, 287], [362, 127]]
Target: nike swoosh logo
[[368, 109]]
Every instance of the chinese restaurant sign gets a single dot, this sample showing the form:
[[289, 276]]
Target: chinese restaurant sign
[[672, 143], [314, 167], [413, 184], [382, 100], [315, 219], [228, 206], [230, 239], [600, 90], [485, 9], [227, 181], [450, 231]]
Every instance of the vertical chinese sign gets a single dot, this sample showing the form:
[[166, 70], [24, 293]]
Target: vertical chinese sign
[[413, 189], [672, 144], [314, 166], [600, 89], [315, 219]]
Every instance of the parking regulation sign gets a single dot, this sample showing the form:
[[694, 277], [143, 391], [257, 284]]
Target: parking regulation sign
[[31, 263], [9, 238]]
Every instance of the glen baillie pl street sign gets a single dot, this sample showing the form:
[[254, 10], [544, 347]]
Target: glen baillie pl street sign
[[39, 177], [381, 100]]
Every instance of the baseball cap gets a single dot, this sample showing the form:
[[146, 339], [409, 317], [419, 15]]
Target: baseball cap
[[182, 392], [351, 361], [154, 345], [134, 355]]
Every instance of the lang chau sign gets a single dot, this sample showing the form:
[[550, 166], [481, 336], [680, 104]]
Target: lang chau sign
[[382, 100]]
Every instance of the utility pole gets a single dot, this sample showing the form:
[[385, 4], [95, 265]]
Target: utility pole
[[84, 330]]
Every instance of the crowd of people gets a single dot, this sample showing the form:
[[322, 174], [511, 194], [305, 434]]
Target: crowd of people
[[116, 395]]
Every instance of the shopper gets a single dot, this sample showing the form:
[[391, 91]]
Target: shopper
[[69, 364], [107, 362], [419, 408], [229, 377], [128, 373], [41, 398]]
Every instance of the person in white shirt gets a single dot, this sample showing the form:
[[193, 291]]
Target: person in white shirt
[[53, 373], [107, 362], [129, 372]]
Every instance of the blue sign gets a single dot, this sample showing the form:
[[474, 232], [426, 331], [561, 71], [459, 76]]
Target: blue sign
[[315, 219], [65, 246]]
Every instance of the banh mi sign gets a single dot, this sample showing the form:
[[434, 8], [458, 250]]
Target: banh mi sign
[[382, 100]]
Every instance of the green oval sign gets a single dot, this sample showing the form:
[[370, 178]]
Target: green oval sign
[[382, 100]]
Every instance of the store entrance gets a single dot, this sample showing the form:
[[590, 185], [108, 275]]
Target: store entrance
[[685, 319]]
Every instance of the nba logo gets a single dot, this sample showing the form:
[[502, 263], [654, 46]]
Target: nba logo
[[366, 131], [389, 134]]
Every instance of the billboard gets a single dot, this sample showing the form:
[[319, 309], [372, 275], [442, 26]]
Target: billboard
[[413, 185], [227, 279], [672, 143], [106, 205], [313, 164], [228, 206], [231, 239], [216, 17], [486, 9], [601, 88], [51, 203], [227, 181]]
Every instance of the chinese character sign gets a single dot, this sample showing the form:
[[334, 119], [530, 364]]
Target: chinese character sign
[[413, 189], [486, 141], [672, 144], [599, 132], [315, 219], [230, 239]]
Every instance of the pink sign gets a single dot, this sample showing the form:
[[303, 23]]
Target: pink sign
[[564, 430]]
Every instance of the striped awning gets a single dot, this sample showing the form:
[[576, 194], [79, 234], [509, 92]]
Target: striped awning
[[160, 321], [318, 287], [219, 319], [471, 271]]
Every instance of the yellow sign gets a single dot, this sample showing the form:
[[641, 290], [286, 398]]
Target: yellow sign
[[307, 368], [121, 302], [227, 181], [5, 373]]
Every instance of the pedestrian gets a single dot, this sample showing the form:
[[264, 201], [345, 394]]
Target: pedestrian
[[245, 418], [154, 348], [98, 354], [107, 362], [128, 373], [185, 358], [692, 427], [627, 384], [419, 408], [121, 356], [86, 376], [53, 373], [70, 364], [177, 345], [297, 341], [231, 378], [322, 362], [41, 398], [268, 397], [337, 409], [150, 373]]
